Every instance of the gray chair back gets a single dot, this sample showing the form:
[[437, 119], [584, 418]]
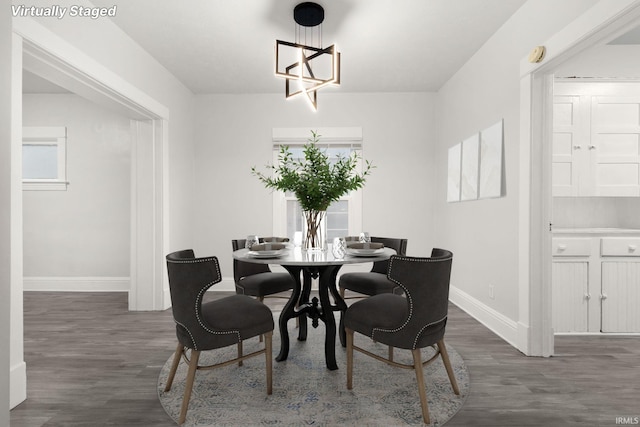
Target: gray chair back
[[399, 245], [425, 282], [242, 268], [189, 279]]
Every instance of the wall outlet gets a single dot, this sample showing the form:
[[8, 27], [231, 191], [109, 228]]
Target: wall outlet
[[491, 295]]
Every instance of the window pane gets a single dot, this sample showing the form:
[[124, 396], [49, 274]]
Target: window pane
[[297, 152], [338, 220], [294, 218], [39, 161]]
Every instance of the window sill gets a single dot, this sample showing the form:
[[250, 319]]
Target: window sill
[[44, 185]]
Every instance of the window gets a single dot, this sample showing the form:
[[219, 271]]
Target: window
[[44, 158], [344, 217]]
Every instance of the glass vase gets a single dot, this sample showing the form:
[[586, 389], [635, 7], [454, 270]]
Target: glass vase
[[314, 231]]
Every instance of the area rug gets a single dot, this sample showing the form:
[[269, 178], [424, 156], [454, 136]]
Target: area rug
[[305, 392]]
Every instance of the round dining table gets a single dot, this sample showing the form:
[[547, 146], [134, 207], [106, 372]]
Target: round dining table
[[310, 265]]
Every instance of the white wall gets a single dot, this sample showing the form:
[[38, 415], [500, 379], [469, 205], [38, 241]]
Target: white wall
[[596, 212], [89, 223], [233, 133], [483, 235], [5, 201]]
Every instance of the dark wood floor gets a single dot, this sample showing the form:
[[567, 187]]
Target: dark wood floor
[[90, 362]]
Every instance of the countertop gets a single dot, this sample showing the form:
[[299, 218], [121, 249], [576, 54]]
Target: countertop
[[595, 230]]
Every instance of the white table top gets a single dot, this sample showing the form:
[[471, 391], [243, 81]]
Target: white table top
[[296, 256]]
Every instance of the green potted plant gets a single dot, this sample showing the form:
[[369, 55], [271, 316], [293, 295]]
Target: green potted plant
[[316, 182]]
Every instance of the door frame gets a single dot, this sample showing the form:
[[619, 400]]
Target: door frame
[[45, 54], [603, 22]]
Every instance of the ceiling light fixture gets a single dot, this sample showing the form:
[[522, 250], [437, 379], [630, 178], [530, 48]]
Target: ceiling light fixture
[[305, 64]]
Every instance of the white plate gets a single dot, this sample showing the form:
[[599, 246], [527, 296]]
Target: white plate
[[364, 252], [266, 254]]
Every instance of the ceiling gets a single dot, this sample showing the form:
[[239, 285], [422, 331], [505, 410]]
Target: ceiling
[[227, 46]]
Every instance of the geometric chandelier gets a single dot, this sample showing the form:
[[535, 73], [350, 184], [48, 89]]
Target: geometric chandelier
[[304, 64]]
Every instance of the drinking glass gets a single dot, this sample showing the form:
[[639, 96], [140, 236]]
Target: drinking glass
[[339, 247], [365, 237], [251, 240]]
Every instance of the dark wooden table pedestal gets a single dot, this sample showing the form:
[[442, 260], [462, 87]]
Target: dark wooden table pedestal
[[300, 306]]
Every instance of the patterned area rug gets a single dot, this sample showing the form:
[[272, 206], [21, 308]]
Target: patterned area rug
[[305, 392]]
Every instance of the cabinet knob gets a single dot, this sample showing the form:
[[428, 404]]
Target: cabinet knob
[[603, 297], [632, 248], [562, 247], [592, 147], [577, 147], [587, 296]]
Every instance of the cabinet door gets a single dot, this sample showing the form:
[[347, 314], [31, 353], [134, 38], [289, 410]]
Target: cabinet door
[[570, 287], [620, 296], [615, 145], [569, 148]]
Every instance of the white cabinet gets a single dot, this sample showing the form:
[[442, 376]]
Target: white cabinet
[[620, 280], [570, 290], [596, 284], [620, 296], [570, 296], [596, 140], [570, 166]]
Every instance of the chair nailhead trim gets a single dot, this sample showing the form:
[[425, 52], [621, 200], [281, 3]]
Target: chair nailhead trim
[[415, 341], [193, 341], [406, 291], [201, 293], [199, 303]]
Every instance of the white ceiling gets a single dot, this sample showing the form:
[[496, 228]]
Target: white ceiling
[[227, 46]]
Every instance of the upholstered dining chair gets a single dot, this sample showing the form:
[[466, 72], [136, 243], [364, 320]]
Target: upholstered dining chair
[[214, 324], [257, 280], [375, 281], [411, 321]]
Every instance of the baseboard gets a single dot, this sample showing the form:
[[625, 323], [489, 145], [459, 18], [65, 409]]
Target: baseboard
[[227, 284], [77, 284], [501, 325], [18, 381]]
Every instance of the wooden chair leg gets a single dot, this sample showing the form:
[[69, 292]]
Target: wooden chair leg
[[174, 366], [191, 375], [447, 365], [240, 351], [417, 364], [349, 358], [268, 358], [261, 299], [390, 353]]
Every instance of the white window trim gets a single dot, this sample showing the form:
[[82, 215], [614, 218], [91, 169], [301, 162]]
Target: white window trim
[[48, 135], [328, 136]]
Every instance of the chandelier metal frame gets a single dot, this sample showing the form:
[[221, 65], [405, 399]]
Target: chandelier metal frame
[[308, 71]]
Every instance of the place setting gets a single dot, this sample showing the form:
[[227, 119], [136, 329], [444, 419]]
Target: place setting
[[271, 247], [358, 246]]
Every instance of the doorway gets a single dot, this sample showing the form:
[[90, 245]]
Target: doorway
[[596, 192], [601, 24], [72, 227], [64, 66]]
